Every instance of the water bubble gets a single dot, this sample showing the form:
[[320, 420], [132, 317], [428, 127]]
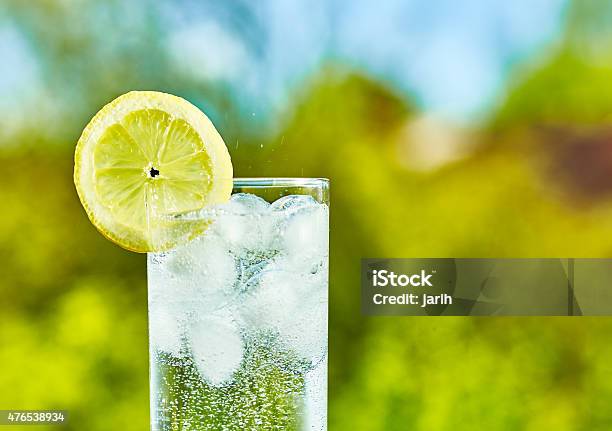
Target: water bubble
[[316, 398]]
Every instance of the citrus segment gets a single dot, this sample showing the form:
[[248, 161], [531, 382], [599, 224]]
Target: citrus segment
[[146, 156]]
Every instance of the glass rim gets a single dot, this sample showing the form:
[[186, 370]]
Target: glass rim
[[254, 182]]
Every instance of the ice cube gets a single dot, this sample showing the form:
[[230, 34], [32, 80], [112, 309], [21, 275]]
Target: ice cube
[[306, 232], [191, 280], [303, 232], [166, 317], [169, 275], [206, 279], [161, 275], [292, 203], [244, 223], [291, 305], [305, 333], [165, 329], [246, 203], [273, 301], [217, 347], [250, 268]]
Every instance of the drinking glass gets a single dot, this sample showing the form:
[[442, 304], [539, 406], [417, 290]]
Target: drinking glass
[[238, 315]]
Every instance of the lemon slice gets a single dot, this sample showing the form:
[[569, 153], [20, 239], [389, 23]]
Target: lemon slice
[[144, 157]]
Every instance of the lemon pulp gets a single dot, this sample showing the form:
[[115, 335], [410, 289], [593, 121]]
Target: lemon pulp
[[145, 156]]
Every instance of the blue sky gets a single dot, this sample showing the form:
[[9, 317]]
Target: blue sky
[[452, 58]]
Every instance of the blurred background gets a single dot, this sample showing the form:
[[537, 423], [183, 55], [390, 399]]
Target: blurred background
[[448, 129]]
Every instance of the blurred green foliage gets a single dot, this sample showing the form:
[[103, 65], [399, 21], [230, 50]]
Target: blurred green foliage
[[73, 305]]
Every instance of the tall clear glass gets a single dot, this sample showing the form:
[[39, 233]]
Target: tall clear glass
[[238, 315]]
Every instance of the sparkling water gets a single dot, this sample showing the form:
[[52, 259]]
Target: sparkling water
[[238, 320]]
